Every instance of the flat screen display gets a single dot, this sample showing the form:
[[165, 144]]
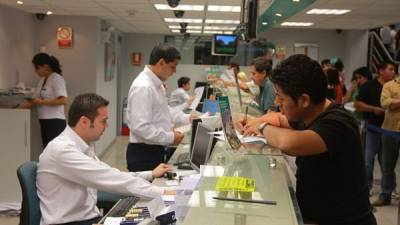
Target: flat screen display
[[201, 147], [224, 44]]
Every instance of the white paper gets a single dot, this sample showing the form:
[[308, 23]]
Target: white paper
[[168, 198], [113, 220], [172, 183], [189, 183], [183, 129], [250, 139], [198, 92]]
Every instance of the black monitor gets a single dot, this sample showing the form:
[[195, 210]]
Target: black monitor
[[195, 123], [201, 147], [252, 15], [224, 44]]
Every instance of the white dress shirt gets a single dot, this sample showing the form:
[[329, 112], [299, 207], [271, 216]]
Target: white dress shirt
[[178, 99], [69, 174], [53, 88], [150, 119]]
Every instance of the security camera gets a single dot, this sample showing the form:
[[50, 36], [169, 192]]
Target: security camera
[[173, 3], [186, 35], [183, 30], [179, 13], [40, 16], [338, 31], [183, 25]]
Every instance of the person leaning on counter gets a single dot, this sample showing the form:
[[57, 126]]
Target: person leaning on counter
[[69, 173], [331, 185], [50, 97]]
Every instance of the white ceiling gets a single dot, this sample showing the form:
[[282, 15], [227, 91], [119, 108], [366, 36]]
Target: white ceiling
[[140, 16]]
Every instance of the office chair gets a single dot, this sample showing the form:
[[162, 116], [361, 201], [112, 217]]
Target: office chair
[[30, 210]]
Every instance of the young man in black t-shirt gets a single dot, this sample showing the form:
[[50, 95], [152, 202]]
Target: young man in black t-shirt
[[369, 103], [331, 181]]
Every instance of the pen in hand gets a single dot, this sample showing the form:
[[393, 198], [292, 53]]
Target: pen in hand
[[245, 115]]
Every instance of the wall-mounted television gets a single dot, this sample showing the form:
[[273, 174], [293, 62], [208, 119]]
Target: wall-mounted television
[[224, 44]]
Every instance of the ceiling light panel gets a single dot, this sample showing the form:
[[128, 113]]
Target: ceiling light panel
[[219, 28], [210, 21], [223, 8], [181, 20], [328, 11], [180, 7], [297, 24], [188, 27]]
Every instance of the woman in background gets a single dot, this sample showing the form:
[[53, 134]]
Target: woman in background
[[50, 97]]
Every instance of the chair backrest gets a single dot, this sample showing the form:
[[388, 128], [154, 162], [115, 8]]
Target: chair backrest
[[30, 210]]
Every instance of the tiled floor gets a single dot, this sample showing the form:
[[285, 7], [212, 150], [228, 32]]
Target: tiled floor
[[115, 156]]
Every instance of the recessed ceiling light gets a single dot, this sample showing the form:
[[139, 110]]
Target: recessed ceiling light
[[223, 8], [181, 20], [20, 2], [175, 31], [296, 0], [180, 7], [278, 14], [264, 23], [297, 24], [222, 21], [329, 11], [219, 28], [188, 27], [49, 12]]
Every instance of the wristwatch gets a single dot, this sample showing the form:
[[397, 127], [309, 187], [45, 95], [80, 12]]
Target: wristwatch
[[262, 127]]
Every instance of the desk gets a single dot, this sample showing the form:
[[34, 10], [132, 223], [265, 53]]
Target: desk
[[271, 184]]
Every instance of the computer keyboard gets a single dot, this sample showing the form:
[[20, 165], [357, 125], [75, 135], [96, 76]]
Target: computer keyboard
[[123, 206]]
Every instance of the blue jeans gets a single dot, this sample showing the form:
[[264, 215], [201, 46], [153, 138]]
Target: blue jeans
[[390, 154], [373, 145]]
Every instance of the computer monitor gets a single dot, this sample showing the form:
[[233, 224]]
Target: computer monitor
[[195, 123], [201, 147], [224, 44]]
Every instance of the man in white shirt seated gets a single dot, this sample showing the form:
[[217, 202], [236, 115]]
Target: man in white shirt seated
[[69, 173], [151, 121], [179, 98]]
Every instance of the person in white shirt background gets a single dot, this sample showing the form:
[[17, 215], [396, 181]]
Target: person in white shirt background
[[50, 97], [69, 173], [180, 98], [151, 121]]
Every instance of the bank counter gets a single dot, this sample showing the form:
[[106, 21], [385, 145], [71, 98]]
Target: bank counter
[[271, 173]]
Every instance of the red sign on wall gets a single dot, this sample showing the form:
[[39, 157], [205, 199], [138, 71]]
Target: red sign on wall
[[64, 37]]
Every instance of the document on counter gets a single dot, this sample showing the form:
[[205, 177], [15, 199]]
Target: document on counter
[[113, 220], [198, 92]]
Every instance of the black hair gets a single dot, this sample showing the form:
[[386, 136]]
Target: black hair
[[299, 75], [85, 105], [163, 51], [332, 76], [262, 64], [235, 65], [41, 59], [363, 71], [325, 61], [385, 64], [182, 81], [338, 65]]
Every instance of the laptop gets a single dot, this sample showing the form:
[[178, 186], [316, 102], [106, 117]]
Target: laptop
[[202, 147]]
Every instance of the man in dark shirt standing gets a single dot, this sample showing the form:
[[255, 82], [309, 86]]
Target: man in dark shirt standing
[[369, 103], [331, 181]]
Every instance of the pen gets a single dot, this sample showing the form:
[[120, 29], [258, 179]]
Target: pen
[[246, 200], [245, 115]]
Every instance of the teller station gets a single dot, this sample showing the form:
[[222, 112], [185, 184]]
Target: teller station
[[216, 184]]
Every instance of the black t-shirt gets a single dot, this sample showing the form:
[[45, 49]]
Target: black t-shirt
[[370, 93], [332, 186]]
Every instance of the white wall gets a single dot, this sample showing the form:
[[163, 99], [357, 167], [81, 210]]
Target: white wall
[[16, 47], [83, 65]]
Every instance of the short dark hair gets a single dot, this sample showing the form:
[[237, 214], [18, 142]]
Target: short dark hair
[[163, 51], [85, 105], [182, 81], [332, 76], [325, 61], [41, 59], [262, 64], [363, 71], [299, 75], [385, 64], [338, 64]]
